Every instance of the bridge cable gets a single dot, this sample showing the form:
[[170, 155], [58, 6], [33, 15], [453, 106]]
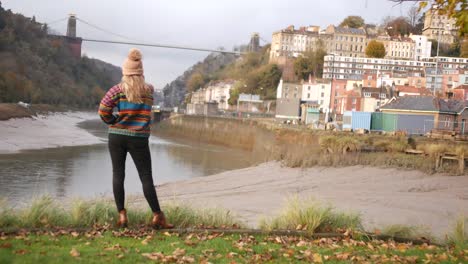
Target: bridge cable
[[136, 42], [162, 46], [104, 30], [56, 21]]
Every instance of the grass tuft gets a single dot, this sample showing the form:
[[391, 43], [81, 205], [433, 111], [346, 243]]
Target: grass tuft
[[459, 234], [404, 231], [92, 212], [44, 212], [183, 215], [310, 215]]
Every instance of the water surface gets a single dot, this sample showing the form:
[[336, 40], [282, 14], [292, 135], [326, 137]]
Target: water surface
[[86, 171]]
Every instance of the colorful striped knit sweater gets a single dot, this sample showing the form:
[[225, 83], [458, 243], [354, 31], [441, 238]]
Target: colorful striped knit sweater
[[133, 119]]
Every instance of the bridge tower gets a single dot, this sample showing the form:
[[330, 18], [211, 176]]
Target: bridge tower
[[73, 42], [71, 28], [254, 45]]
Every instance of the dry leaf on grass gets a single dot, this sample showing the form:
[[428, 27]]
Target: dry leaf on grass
[[74, 253]]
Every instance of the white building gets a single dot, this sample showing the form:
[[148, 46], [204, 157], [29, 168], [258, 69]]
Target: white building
[[422, 47], [318, 92], [291, 42], [352, 68], [400, 48], [218, 92], [439, 27], [288, 90]]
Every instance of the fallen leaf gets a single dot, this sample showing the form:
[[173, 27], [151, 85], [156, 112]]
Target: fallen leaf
[[178, 252], [342, 256], [186, 259], [317, 258], [21, 252], [74, 234], [74, 253], [301, 244], [154, 256], [232, 254], [6, 245]]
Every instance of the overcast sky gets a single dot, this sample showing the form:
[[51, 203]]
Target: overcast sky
[[202, 23]]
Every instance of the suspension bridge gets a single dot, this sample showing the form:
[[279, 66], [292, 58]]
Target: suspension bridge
[[75, 41]]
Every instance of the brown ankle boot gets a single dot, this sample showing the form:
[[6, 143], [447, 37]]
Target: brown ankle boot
[[159, 221], [123, 220]]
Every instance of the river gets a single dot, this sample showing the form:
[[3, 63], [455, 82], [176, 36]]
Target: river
[[85, 171]]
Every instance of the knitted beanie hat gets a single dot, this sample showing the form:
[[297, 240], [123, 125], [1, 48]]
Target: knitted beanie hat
[[133, 64]]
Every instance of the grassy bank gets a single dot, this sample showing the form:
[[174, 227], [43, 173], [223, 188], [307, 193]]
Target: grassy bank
[[45, 212], [144, 246], [302, 147], [84, 233]]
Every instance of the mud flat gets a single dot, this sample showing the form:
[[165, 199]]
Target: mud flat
[[45, 131], [382, 196]]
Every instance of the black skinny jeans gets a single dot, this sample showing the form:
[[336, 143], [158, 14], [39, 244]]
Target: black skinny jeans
[[138, 147]]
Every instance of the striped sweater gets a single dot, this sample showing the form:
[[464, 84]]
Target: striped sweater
[[132, 119]]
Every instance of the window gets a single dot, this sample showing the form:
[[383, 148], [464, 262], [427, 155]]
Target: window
[[367, 94], [308, 95], [354, 100], [323, 86], [369, 77], [308, 88], [382, 95], [322, 95]]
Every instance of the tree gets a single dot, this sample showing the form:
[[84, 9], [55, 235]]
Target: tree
[[311, 62], [353, 22], [413, 16], [418, 28], [457, 9], [375, 49], [446, 50], [464, 48], [399, 26], [195, 81]]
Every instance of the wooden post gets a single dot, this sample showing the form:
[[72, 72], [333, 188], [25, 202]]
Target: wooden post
[[437, 164], [461, 164]]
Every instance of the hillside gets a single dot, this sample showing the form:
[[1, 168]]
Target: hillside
[[35, 68], [252, 72], [174, 93]]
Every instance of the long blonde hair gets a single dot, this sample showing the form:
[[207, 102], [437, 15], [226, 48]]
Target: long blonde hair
[[134, 88]]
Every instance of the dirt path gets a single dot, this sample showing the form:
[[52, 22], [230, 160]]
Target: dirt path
[[382, 196]]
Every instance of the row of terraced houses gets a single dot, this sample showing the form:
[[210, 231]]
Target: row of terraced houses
[[353, 82]]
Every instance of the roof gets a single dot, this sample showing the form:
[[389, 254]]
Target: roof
[[412, 89], [425, 104], [356, 31], [462, 86]]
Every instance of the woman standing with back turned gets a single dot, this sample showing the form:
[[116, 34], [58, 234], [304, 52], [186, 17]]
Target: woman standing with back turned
[[129, 131]]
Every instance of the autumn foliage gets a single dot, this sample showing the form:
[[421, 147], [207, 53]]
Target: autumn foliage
[[375, 49], [36, 68]]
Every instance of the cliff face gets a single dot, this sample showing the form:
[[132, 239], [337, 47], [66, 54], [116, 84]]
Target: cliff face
[[174, 93]]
